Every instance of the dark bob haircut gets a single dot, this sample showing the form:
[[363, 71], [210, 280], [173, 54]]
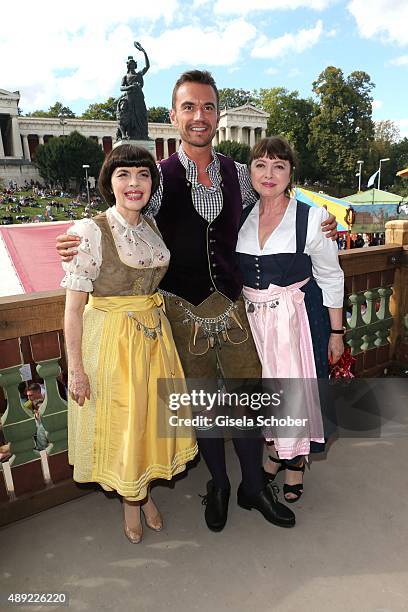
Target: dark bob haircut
[[125, 156], [275, 147], [195, 76]]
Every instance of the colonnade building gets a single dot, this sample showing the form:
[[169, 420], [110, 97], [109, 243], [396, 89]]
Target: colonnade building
[[20, 136]]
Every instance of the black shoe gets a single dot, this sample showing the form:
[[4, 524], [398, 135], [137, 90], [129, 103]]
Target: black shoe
[[271, 477], [216, 502], [266, 501], [296, 489]]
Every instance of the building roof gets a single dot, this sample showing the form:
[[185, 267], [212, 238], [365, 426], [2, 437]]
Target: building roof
[[373, 196], [403, 173]]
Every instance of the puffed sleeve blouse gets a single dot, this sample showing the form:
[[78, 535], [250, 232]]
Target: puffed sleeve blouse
[[138, 246]]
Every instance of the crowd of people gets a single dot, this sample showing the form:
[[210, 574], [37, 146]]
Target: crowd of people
[[358, 241], [52, 203]]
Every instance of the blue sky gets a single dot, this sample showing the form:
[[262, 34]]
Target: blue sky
[[77, 53]]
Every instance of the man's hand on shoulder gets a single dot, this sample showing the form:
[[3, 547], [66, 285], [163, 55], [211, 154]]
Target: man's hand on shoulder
[[67, 246], [329, 227]]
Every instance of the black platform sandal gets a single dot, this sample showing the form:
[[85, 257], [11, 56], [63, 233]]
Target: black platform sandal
[[271, 477], [296, 489]]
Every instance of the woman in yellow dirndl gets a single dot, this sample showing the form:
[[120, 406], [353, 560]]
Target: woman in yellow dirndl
[[120, 344]]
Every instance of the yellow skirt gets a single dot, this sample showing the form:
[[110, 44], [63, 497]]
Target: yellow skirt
[[122, 437]]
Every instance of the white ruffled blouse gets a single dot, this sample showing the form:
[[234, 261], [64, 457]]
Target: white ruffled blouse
[[138, 246]]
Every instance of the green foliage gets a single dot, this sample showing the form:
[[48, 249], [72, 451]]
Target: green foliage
[[290, 116], [386, 131], [56, 110], [158, 114], [342, 129], [239, 152], [61, 159], [232, 98], [105, 111], [399, 161]]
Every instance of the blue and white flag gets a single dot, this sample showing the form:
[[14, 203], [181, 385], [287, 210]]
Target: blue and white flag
[[372, 179]]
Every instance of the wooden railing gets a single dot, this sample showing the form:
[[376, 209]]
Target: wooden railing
[[31, 334], [374, 304], [376, 289]]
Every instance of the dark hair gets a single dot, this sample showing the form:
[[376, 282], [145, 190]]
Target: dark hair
[[33, 387], [275, 147], [195, 76], [126, 156]]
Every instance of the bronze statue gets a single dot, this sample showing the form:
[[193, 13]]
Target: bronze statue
[[131, 111]]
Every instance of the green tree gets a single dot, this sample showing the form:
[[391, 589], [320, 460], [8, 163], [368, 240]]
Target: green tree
[[232, 98], [239, 152], [342, 129], [386, 135], [290, 116], [386, 131], [105, 111], [158, 114], [61, 159], [56, 110], [399, 159]]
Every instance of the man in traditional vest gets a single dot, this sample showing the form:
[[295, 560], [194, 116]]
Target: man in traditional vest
[[197, 209]]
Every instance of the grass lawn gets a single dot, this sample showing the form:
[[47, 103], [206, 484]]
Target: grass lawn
[[58, 214]]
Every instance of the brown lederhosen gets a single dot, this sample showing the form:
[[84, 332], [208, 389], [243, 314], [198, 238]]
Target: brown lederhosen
[[231, 353]]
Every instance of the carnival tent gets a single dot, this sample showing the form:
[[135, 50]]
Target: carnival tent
[[28, 259], [334, 205], [373, 209]]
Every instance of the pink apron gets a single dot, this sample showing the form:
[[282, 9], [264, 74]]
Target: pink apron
[[280, 328]]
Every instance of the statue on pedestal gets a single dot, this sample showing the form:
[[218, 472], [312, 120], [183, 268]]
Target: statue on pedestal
[[131, 111]]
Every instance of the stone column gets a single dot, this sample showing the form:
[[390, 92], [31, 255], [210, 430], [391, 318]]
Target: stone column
[[17, 150], [40, 139], [251, 137], [239, 134], [1, 146], [26, 148], [177, 144], [100, 141], [228, 133], [165, 148], [263, 133], [396, 234]]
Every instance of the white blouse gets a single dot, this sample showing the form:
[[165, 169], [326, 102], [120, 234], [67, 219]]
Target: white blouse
[[138, 246], [322, 251]]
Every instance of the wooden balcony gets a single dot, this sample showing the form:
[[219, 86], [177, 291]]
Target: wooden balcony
[[376, 289]]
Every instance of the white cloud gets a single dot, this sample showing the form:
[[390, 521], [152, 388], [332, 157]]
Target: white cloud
[[381, 18], [377, 104], [243, 7], [78, 53], [271, 71], [195, 46], [288, 43], [402, 60]]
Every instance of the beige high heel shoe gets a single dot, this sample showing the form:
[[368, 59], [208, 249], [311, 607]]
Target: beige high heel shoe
[[133, 535], [157, 522]]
